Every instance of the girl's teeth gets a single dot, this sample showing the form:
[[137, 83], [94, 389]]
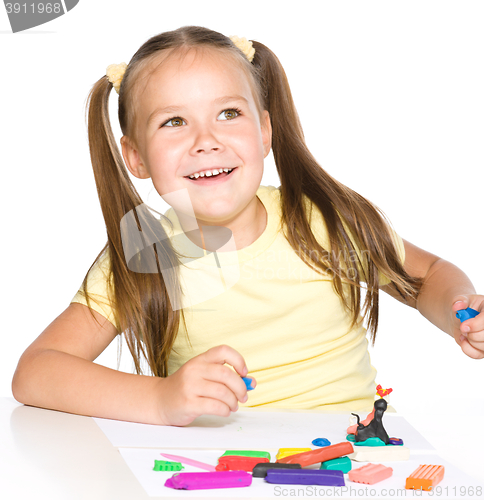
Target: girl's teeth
[[210, 173]]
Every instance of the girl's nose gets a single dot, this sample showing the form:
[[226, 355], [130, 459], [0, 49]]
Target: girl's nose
[[206, 143]]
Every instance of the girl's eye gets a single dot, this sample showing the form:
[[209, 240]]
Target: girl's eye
[[229, 114], [174, 122]]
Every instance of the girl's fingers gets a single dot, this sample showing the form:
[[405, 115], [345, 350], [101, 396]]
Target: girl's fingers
[[217, 391], [474, 325], [476, 339], [224, 354], [460, 303], [470, 333], [227, 378], [201, 406], [471, 350], [208, 406]]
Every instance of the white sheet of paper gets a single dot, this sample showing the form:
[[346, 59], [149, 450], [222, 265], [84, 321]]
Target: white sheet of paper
[[252, 430], [454, 484]]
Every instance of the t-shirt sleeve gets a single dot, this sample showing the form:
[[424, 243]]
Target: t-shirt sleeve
[[99, 289]]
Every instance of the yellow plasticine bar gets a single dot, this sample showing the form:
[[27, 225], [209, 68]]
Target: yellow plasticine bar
[[425, 477], [287, 452]]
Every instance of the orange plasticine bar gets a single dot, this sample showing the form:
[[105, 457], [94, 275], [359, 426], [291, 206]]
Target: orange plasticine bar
[[370, 474], [425, 477], [319, 455]]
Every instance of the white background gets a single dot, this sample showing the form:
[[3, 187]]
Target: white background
[[390, 95]]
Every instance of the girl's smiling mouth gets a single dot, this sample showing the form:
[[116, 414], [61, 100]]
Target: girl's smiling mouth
[[207, 177]]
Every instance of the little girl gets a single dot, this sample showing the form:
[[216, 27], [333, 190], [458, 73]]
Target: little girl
[[236, 277]]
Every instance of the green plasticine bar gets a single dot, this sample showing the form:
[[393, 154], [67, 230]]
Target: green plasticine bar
[[247, 453], [163, 465], [343, 464]]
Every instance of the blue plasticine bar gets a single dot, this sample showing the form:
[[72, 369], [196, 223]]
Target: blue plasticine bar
[[468, 313], [306, 476]]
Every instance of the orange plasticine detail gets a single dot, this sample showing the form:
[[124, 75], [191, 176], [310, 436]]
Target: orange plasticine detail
[[383, 392], [319, 455], [425, 477]]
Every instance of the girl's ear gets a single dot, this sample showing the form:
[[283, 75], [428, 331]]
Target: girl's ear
[[266, 130], [133, 160]]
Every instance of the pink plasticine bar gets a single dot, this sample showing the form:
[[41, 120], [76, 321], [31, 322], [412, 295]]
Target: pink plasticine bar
[[189, 461], [370, 474]]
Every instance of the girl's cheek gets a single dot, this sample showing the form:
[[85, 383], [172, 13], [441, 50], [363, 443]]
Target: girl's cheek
[[174, 146]]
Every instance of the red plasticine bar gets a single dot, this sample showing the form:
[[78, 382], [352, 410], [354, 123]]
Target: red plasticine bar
[[234, 462], [425, 477], [370, 474], [319, 455]]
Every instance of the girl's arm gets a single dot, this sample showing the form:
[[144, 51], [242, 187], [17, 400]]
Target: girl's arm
[[57, 372], [446, 290]]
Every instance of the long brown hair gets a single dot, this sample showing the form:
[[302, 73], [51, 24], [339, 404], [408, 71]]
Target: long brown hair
[[355, 226]]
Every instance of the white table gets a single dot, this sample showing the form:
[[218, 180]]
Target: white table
[[53, 455]]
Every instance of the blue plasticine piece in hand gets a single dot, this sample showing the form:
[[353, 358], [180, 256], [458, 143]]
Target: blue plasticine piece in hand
[[468, 313], [248, 381]]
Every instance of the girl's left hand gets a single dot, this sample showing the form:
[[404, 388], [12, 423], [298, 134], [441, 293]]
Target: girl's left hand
[[470, 334]]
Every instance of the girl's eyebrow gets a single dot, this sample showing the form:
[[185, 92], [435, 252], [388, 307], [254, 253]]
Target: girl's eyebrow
[[160, 111], [175, 109], [230, 98]]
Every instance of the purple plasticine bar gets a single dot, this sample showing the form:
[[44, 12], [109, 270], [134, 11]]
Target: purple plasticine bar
[[260, 470], [209, 480], [306, 476]]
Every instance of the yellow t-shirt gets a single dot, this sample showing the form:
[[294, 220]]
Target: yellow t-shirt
[[283, 317]]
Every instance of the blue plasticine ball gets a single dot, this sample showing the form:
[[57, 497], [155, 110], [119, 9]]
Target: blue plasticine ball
[[321, 442]]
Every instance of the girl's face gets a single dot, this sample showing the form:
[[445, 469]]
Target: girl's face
[[197, 114]]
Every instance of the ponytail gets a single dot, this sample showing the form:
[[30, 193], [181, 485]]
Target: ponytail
[[140, 300], [356, 228]]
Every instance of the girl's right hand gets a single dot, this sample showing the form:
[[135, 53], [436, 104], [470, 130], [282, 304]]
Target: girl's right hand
[[204, 386]]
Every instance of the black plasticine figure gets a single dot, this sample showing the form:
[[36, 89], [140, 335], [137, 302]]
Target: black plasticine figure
[[375, 427]]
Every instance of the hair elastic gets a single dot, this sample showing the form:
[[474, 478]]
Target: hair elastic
[[245, 46], [115, 73]]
